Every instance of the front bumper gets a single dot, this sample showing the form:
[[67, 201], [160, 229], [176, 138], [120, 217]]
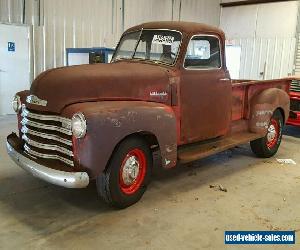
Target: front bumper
[[56, 177]]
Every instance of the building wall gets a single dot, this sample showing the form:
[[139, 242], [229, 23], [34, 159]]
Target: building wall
[[139, 11], [11, 11], [267, 36], [297, 54], [61, 24]]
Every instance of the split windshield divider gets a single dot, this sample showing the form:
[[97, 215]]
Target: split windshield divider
[[137, 43]]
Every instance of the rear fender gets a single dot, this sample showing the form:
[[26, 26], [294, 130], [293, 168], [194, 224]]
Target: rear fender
[[109, 122], [262, 107]]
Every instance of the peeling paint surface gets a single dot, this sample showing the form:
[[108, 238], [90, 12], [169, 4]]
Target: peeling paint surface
[[110, 122]]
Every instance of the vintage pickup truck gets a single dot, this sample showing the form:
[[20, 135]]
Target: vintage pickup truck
[[167, 89]]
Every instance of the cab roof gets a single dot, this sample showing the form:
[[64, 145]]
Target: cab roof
[[190, 28]]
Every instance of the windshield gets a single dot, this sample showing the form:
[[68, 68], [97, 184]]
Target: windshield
[[149, 45]]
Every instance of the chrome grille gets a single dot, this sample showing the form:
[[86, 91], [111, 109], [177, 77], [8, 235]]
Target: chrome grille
[[295, 86], [47, 136]]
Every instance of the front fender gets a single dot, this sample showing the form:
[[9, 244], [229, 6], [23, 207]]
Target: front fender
[[262, 107], [109, 122]]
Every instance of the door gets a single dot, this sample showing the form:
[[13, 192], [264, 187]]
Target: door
[[14, 63], [205, 91]]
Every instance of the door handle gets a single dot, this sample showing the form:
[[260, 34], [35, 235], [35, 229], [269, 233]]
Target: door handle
[[224, 79]]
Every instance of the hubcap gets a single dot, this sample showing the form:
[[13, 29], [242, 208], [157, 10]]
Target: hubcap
[[132, 171], [273, 133]]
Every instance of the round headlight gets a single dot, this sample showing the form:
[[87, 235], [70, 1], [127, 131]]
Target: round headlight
[[16, 103], [78, 125]]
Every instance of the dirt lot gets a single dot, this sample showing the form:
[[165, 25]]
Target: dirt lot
[[179, 210]]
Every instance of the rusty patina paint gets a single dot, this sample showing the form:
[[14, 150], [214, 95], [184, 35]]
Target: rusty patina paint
[[108, 123], [255, 101], [88, 83]]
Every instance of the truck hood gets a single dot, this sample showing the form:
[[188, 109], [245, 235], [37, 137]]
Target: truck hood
[[61, 87]]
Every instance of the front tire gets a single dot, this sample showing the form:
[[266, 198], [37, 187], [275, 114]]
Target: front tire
[[127, 175], [267, 146]]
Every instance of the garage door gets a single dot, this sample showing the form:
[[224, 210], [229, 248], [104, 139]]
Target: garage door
[[266, 34]]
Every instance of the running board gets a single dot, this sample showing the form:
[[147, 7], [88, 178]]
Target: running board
[[200, 150]]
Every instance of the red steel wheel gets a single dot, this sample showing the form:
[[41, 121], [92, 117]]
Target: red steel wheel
[[128, 173], [268, 145], [273, 133], [132, 171]]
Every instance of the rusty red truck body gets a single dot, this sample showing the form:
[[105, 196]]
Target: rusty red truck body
[[167, 88]]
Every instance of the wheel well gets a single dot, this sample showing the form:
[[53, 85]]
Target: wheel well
[[150, 138]]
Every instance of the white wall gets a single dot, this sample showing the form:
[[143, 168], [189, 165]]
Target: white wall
[[13, 79], [267, 36], [139, 11], [297, 56], [95, 23], [202, 11], [11, 11]]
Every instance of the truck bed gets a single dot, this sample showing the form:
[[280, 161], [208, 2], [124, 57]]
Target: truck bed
[[244, 90]]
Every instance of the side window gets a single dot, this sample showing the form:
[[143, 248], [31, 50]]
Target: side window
[[203, 52]]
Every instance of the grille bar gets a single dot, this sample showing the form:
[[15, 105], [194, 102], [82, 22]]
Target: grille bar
[[47, 136], [25, 122], [65, 121], [47, 156], [47, 146], [26, 130]]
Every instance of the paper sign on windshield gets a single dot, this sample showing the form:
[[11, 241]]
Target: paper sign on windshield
[[165, 40]]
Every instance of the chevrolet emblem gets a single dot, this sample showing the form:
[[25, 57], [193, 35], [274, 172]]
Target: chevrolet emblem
[[32, 99]]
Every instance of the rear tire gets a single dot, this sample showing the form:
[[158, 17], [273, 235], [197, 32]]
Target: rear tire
[[127, 175], [267, 146]]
